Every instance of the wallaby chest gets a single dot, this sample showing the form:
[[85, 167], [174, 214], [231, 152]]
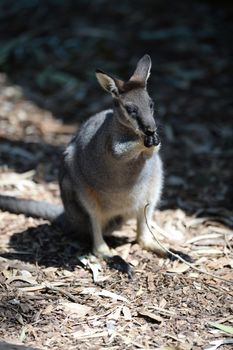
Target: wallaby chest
[[100, 152]]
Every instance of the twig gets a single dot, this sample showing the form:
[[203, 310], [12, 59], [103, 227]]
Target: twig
[[203, 237], [62, 291], [52, 287], [176, 255]]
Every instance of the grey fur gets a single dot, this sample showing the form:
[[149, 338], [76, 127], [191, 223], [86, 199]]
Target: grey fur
[[36, 209]]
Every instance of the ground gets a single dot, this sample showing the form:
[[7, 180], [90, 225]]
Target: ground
[[53, 294]]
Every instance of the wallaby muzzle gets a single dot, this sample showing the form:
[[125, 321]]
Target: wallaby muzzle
[[151, 140], [150, 136]]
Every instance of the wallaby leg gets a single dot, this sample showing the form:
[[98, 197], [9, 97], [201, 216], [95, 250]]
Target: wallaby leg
[[84, 217], [99, 247], [76, 216], [75, 213], [62, 222], [144, 236]]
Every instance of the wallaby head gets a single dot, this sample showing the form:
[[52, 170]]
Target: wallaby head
[[133, 106]]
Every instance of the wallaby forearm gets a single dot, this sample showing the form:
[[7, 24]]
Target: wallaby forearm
[[127, 150]]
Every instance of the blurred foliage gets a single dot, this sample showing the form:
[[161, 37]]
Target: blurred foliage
[[52, 47]]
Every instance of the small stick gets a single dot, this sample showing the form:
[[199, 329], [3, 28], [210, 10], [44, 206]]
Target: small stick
[[179, 257], [62, 291]]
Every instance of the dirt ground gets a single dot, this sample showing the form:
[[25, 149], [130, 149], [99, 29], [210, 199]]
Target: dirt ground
[[53, 294]]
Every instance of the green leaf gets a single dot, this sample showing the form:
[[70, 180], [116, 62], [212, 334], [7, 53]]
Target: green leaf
[[222, 327]]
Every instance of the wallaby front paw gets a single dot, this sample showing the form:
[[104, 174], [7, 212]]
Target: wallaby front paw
[[148, 243], [182, 255], [116, 262], [102, 251]]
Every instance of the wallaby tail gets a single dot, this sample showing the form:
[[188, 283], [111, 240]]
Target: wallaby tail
[[36, 209]]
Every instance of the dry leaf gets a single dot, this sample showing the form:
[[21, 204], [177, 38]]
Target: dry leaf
[[7, 274], [162, 303], [150, 282], [115, 315], [215, 344], [164, 311], [208, 251], [179, 268], [148, 314], [220, 263], [79, 335], [107, 294], [22, 335], [126, 313], [95, 269], [19, 318], [94, 266], [48, 310], [104, 293], [67, 273], [203, 237], [79, 310], [21, 278], [110, 325], [173, 233]]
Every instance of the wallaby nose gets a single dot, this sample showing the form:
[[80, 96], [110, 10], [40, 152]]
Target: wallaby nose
[[156, 140], [149, 131]]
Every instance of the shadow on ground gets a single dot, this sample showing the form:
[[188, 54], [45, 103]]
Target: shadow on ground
[[8, 346], [47, 245]]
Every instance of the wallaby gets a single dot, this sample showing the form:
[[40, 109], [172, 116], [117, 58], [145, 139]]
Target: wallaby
[[111, 169]]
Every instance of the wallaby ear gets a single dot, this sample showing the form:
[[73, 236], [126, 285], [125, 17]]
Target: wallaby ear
[[108, 83], [142, 71]]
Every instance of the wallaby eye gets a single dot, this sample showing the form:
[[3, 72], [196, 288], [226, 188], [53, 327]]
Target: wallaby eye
[[131, 110], [152, 105]]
